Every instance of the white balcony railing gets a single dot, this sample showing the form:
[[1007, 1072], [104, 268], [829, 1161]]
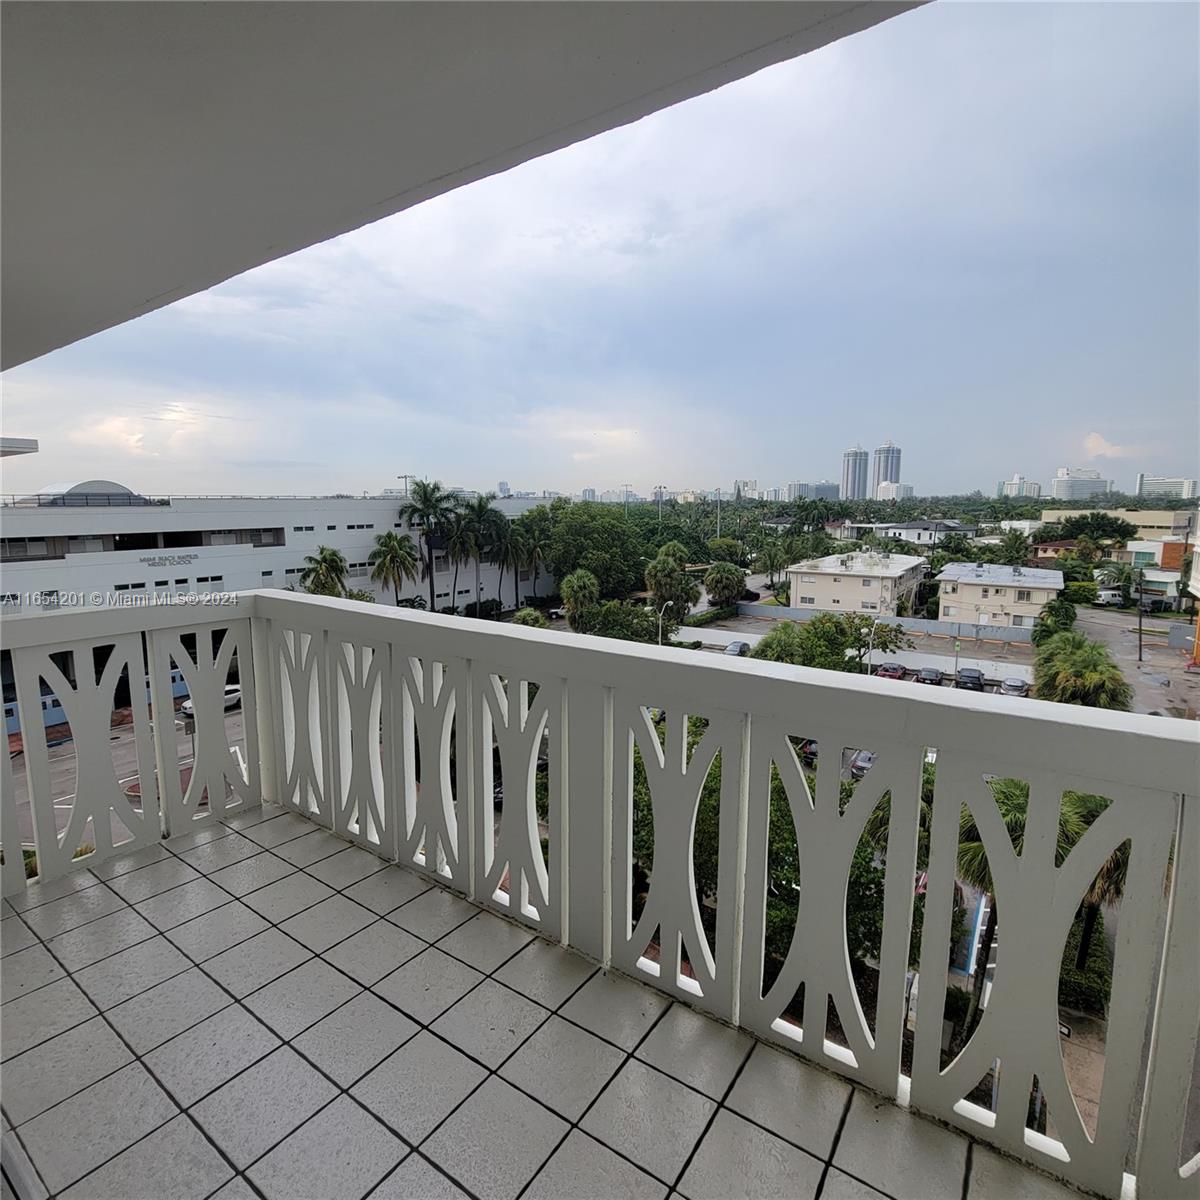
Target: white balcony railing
[[401, 730]]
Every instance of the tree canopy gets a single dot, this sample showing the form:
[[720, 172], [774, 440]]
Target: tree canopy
[[598, 539]]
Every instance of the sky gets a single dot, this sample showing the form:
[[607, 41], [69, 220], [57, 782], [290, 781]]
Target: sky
[[971, 229]]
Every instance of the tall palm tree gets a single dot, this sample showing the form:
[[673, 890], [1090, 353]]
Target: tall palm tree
[[508, 549], [325, 572], [772, 560], [428, 508], [1118, 575], [483, 519], [537, 551], [394, 560], [458, 547], [1012, 803]]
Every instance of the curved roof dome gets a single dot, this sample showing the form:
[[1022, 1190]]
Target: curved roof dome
[[88, 487]]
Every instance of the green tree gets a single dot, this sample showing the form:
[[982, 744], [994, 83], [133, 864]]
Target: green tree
[[483, 519], [724, 583], [600, 541], [459, 545], [428, 508], [1087, 549], [530, 617], [667, 584], [617, 619], [393, 561], [1099, 527], [1012, 803], [772, 559], [785, 643], [726, 549], [1118, 575], [1057, 616], [508, 553], [676, 550], [537, 546], [865, 635], [359, 594], [1014, 549], [325, 572], [1072, 669], [580, 590]]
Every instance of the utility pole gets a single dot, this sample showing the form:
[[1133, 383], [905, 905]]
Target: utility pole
[[718, 512], [662, 487], [1141, 606], [627, 486]]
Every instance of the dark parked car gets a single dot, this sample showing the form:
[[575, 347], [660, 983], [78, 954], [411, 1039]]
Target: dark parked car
[[739, 649], [1014, 687], [930, 675], [890, 671], [861, 762], [969, 679]]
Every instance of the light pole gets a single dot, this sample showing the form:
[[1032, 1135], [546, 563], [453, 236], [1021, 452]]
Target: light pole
[[626, 486], [871, 642], [406, 478], [718, 512], [662, 487], [666, 604]]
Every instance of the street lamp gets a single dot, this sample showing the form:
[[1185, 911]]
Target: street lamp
[[666, 604], [1141, 606], [662, 487], [627, 486], [871, 642]]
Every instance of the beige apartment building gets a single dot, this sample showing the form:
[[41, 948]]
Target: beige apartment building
[[865, 581], [988, 594], [1150, 522]]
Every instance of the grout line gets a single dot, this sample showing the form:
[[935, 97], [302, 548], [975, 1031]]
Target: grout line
[[837, 1137], [968, 1164]]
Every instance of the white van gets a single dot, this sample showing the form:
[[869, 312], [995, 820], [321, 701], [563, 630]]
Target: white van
[[1109, 598]]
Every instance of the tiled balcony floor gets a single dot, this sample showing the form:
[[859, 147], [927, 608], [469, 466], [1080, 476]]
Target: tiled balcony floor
[[258, 1009]]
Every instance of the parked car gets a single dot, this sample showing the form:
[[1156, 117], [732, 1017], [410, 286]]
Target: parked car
[[1014, 687], [233, 699], [738, 649], [808, 752], [930, 675], [890, 671], [861, 761], [969, 679]]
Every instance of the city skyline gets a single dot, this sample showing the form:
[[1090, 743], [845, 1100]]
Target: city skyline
[[719, 281]]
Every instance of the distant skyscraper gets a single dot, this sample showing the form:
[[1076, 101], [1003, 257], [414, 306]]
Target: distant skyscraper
[[588, 494], [798, 491], [854, 474], [826, 489], [1078, 483], [503, 488], [887, 466]]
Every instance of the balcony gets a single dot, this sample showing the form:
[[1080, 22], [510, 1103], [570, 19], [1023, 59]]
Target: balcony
[[387, 932]]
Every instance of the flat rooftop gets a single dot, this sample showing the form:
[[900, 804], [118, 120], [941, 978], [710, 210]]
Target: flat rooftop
[[972, 572], [860, 563]]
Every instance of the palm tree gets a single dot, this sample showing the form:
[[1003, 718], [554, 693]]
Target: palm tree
[[508, 553], [482, 522], [1012, 803], [1014, 549], [772, 560], [459, 543], [428, 507], [394, 560], [724, 583], [580, 590], [537, 551], [1072, 669], [325, 572], [1118, 575]]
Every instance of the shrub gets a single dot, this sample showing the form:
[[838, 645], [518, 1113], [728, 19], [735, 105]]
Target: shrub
[[1081, 592], [710, 615], [489, 610], [531, 617], [1087, 990]]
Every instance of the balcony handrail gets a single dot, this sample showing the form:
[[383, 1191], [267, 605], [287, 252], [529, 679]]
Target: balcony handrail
[[342, 698]]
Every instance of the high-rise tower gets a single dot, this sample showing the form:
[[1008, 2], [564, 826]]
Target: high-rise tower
[[887, 466], [854, 474]]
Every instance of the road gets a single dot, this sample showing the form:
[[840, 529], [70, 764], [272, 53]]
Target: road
[[1160, 684]]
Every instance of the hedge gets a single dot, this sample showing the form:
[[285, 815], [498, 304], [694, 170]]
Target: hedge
[[710, 615], [1081, 592]]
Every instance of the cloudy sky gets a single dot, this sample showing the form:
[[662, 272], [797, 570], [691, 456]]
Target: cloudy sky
[[971, 230]]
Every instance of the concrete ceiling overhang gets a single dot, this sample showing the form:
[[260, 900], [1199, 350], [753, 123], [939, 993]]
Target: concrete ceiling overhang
[[152, 150]]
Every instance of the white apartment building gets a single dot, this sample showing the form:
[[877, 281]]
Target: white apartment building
[[1166, 485], [1028, 528], [1071, 483], [1018, 485], [889, 490], [989, 594], [864, 581], [98, 542]]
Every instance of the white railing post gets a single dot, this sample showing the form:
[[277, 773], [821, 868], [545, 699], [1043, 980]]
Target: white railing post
[[266, 714], [587, 921], [1175, 1037], [12, 879]]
